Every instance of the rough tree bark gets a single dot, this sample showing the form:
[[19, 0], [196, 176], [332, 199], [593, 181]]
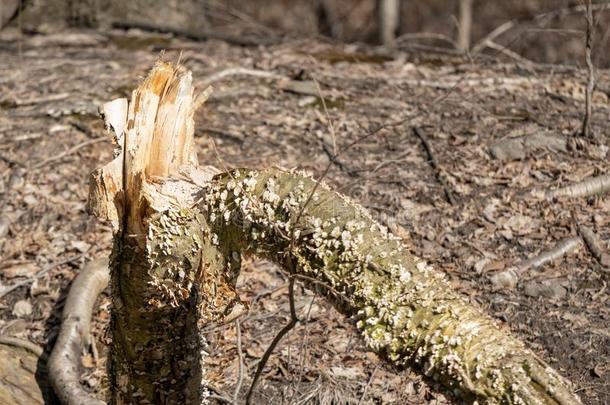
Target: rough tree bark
[[180, 234]]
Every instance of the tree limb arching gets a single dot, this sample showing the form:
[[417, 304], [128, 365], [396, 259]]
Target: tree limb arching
[[180, 234]]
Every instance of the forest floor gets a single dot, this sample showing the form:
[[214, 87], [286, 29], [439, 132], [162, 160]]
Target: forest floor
[[502, 136]]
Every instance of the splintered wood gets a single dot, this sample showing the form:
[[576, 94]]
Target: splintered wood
[[153, 134]]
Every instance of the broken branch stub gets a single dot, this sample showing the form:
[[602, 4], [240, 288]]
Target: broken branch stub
[[146, 193], [179, 237]]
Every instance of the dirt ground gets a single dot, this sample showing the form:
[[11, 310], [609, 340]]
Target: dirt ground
[[501, 134]]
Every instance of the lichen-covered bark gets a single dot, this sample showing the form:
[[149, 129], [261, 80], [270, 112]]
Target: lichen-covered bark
[[163, 285], [405, 309]]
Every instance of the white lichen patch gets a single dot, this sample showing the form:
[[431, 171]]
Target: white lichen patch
[[173, 246], [406, 308]]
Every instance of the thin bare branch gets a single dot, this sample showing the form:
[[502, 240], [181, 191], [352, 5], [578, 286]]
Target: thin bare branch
[[239, 71], [240, 355], [510, 277], [508, 25], [437, 170], [276, 340], [564, 246], [586, 123], [68, 152], [41, 273], [593, 244]]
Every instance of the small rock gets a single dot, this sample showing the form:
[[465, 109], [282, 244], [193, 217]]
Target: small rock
[[22, 308], [480, 265], [548, 289], [17, 179], [504, 279]]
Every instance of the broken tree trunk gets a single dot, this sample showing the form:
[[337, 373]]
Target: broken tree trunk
[[180, 234]]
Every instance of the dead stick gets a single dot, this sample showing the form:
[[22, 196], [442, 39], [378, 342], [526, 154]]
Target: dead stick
[[508, 25], [195, 35], [74, 334], [448, 194], [276, 340], [586, 123], [510, 276], [38, 275], [239, 71], [240, 354], [24, 344], [564, 246], [368, 384], [592, 243], [68, 152], [588, 187]]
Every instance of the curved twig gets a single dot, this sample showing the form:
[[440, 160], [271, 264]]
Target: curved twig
[[24, 344], [74, 334]]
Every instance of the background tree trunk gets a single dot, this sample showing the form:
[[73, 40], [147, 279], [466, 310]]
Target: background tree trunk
[[8, 8], [464, 25], [388, 14]]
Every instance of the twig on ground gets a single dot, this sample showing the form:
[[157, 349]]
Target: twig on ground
[[293, 321], [510, 277], [506, 51], [425, 35], [368, 384], [586, 122], [41, 273], [239, 71], [219, 395], [24, 344], [437, 170], [42, 99], [240, 354], [68, 152], [588, 187], [564, 246], [75, 334], [508, 25], [80, 126], [195, 35], [302, 351], [593, 244]]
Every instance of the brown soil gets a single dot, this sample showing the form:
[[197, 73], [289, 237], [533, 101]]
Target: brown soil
[[51, 138]]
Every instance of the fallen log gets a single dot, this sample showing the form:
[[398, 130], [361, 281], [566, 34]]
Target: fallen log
[[180, 233]]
